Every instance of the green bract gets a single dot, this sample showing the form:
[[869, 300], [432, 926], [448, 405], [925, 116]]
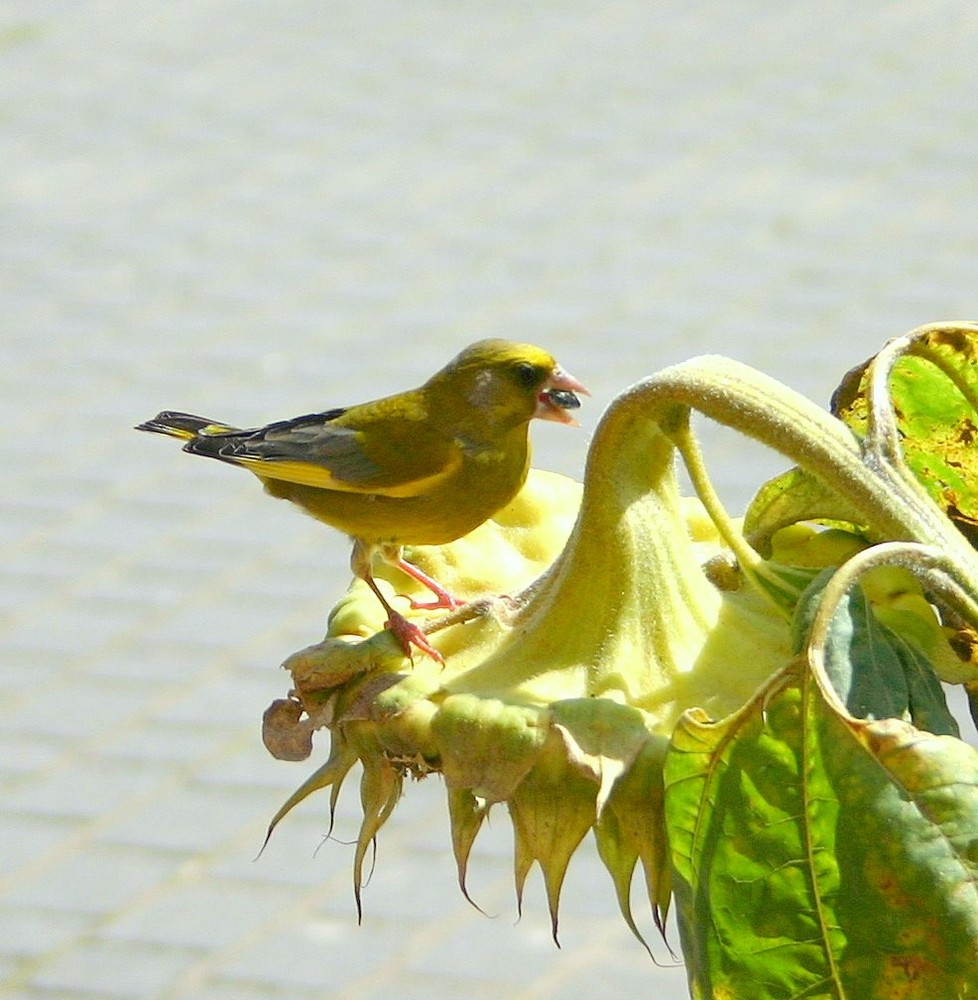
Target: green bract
[[759, 724]]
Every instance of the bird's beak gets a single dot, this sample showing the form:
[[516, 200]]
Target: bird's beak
[[558, 396]]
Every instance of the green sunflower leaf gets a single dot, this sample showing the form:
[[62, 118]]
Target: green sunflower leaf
[[934, 390], [816, 855]]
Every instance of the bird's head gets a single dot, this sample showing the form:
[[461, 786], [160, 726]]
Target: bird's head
[[504, 384]]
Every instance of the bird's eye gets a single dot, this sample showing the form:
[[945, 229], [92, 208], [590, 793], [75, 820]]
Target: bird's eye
[[527, 374]]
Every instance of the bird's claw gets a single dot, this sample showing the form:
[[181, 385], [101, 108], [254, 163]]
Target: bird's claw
[[445, 602], [408, 634], [443, 599]]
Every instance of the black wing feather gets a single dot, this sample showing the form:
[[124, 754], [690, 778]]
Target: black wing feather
[[309, 438]]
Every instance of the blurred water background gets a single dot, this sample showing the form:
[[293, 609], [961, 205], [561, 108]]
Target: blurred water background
[[253, 210]]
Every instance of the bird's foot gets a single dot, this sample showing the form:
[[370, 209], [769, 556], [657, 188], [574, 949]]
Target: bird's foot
[[408, 634], [445, 602], [443, 599]]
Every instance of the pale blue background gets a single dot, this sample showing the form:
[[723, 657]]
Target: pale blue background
[[255, 209]]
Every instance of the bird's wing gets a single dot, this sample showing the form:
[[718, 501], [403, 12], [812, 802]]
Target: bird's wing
[[313, 450]]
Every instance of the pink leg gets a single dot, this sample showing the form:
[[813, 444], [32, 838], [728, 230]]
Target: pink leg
[[406, 633], [445, 599]]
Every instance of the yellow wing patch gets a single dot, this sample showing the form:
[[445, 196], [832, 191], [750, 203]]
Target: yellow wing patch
[[307, 474]]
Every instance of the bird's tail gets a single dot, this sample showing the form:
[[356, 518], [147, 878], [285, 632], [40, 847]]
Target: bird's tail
[[182, 425]]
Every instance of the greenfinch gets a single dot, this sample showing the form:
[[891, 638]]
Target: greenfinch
[[421, 467]]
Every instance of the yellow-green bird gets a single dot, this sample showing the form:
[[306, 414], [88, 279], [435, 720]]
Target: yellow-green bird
[[422, 467]]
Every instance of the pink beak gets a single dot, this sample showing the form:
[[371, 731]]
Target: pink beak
[[558, 396]]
